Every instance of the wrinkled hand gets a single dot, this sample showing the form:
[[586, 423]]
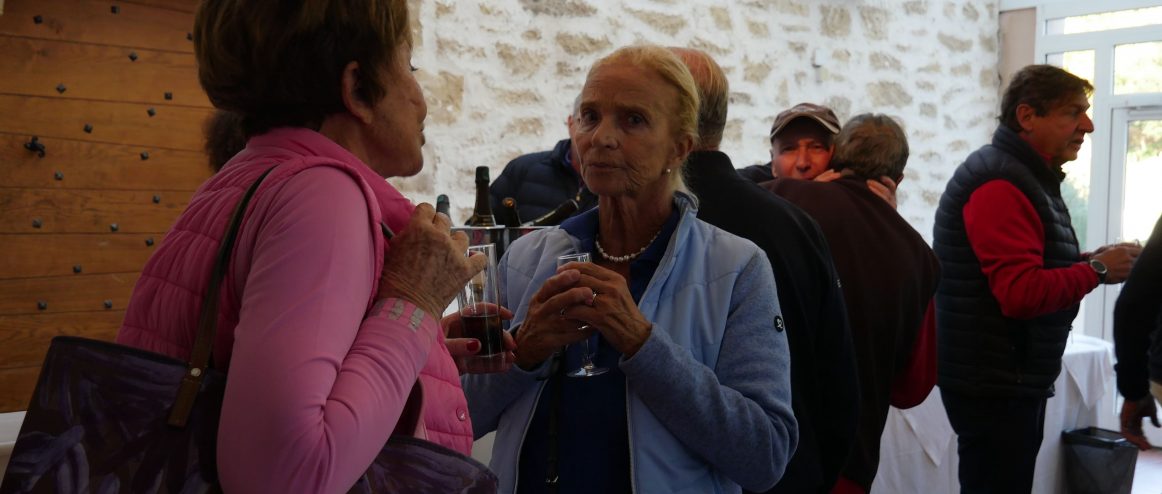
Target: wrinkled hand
[[544, 329], [885, 188], [612, 311], [425, 265], [461, 348], [1131, 419], [829, 175], [1119, 260]]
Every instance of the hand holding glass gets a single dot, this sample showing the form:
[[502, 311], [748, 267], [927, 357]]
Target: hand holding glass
[[479, 302], [587, 368]]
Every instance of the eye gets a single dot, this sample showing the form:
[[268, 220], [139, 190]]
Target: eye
[[635, 119], [412, 67], [588, 117]]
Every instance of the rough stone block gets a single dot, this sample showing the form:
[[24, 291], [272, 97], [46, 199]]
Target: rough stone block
[[950, 123], [666, 23], [721, 18], [916, 7], [519, 61], [758, 29], [836, 21], [928, 110], [444, 93], [524, 127], [888, 93], [932, 68], [990, 78], [970, 12], [840, 105], [531, 35], [756, 72], [875, 22], [989, 42], [926, 85], [582, 44], [559, 8], [953, 43], [740, 98], [961, 70], [883, 61], [958, 146]]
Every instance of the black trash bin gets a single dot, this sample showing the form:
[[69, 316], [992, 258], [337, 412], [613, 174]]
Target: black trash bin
[[1098, 461]]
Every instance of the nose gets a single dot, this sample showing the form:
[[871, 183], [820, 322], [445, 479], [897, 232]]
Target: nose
[[1086, 124], [605, 133], [801, 156]]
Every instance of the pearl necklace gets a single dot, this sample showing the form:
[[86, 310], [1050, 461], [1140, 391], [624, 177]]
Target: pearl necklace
[[627, 257]]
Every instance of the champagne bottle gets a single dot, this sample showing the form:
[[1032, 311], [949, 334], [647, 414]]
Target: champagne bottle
[[508, 214], [482, 212], [442, 204], [556, 216]]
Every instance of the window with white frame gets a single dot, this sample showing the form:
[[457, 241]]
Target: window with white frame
[[1114, 188]]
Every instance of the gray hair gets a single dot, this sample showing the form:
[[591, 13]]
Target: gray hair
[[871, 145]]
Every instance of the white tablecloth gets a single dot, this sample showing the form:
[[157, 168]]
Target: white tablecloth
[[918, 446]]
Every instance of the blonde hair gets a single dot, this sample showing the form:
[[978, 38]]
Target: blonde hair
[[670, 68], [277, 63]]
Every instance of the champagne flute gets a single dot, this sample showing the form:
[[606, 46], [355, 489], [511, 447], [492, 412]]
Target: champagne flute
[[587, 369]]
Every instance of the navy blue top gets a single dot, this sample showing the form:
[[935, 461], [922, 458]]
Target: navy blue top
[[592, 436]]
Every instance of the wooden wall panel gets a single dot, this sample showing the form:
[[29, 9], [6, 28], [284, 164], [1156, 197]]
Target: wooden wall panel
[[88, 211], [84, 293], [27, 337], [30, 256], [88, 180], [97, 72], [172, 127], [89, 165], [92, 21], [17, 385]]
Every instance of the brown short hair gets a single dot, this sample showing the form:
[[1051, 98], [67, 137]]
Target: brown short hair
[[872, 146], [224, 138], [1041, 87], [714, 91], [277, 63]]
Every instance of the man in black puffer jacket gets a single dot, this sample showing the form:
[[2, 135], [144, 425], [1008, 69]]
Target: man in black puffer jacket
[[540, 182], [1014, 277]]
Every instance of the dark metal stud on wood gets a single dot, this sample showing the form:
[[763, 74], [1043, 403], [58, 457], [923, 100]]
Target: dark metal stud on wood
[[58, 175], [189, 36], [37, 19], [168, 95], [61, 88], [157, 199], [41, 305], [108, 304], [132, 56], [144, 155], [77, 269], [149, 241], [151, 112], [113, 227], [36, 223], [88, 129], [115, 9], [36, 146]]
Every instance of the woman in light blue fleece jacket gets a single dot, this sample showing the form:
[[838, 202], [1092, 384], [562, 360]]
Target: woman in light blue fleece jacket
[[683, 315]]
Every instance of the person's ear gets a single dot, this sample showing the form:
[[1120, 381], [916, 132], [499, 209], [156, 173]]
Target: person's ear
[[1025, 115], [682, 149], [356, 105]]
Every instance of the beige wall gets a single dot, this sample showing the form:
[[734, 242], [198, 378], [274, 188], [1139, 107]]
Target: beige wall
[[1018, 42]]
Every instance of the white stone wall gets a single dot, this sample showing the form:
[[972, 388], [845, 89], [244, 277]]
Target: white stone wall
[[501, 75]]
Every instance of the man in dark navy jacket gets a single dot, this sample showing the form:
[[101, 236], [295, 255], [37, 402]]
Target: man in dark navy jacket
[[824, 386], [1013, 278], [540, 182]]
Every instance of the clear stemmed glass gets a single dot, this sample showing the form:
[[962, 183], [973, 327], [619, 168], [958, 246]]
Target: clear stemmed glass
[[587, 368]]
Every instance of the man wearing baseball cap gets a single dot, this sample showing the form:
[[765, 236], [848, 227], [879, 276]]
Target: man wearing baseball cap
[[801, 144]]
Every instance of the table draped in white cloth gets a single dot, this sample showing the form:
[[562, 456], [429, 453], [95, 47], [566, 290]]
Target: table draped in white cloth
[[918, 446]]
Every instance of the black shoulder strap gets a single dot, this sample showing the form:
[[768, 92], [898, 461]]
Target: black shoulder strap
[[208, 320]]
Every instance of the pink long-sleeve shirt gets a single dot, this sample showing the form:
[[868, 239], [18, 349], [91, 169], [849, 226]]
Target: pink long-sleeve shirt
[[318, 371]]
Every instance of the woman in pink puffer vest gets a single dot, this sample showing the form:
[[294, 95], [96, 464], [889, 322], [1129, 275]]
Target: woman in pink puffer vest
[[325, 326]]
